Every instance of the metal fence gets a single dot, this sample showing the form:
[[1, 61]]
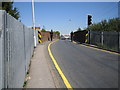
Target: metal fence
[[16, 48], [107, 40], [1, 51]]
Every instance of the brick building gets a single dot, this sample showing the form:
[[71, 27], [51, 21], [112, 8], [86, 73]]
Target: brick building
[[46, 36]]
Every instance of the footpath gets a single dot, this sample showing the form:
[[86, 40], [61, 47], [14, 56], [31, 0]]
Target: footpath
[[42, 71]]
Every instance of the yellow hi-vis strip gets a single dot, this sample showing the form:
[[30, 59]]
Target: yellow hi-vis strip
[[40, 40], [86, 40], [86, 34], [39, 31], [58, 68], [39, 35]]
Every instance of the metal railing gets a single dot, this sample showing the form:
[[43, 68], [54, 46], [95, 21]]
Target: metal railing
[[16, 49], [107, 40]]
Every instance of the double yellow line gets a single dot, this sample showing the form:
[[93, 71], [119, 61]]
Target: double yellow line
[[58, 68]]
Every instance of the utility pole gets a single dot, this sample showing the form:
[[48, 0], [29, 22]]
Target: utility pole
[[33, 21], [118, 31]]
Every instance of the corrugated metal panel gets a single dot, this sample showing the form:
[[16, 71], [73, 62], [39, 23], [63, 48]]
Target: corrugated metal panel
[[108, 40], [1, 49], [15, 56]]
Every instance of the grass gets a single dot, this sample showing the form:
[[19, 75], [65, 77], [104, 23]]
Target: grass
[[27, 74]]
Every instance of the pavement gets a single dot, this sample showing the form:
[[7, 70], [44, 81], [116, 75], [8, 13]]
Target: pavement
[[42, 71], [86, 67]]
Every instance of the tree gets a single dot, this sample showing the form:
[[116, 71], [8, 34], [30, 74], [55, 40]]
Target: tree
[[114, 24], [43, 30], [110, 25], [13, 11], [79, 29], [57, 32]]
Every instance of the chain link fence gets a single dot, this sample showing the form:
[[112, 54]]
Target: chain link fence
[[16, 49]]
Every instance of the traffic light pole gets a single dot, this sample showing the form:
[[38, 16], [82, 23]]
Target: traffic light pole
[[89, 23]]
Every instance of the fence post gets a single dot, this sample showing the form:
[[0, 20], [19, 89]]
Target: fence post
[[1, 51], [5, 49], [102, 38]]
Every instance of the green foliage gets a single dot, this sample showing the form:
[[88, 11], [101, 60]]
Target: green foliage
[[57, 32], [13, 11], [79, 29], [25, 83], [43, 30], [110, 25]]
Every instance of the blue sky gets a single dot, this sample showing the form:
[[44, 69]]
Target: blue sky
[[66, 16]]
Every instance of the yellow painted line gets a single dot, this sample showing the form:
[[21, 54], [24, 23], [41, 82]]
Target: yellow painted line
[[69, 87], [98, 49], [101, 50]]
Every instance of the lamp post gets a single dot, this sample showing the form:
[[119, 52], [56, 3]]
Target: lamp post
[[33, 21]]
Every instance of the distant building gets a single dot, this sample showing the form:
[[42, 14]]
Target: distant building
[[65, 37]]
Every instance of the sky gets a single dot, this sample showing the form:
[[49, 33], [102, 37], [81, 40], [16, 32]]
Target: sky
[[61, 0], [66, 16]]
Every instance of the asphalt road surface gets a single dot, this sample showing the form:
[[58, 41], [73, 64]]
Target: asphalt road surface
[[86, 67]]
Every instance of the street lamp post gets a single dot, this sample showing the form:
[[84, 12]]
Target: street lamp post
[[33, 21]]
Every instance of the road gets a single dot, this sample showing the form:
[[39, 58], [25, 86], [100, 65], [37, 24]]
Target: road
[[86, 67]]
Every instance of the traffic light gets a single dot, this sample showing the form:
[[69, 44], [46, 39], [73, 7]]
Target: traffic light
[[89, 20]]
